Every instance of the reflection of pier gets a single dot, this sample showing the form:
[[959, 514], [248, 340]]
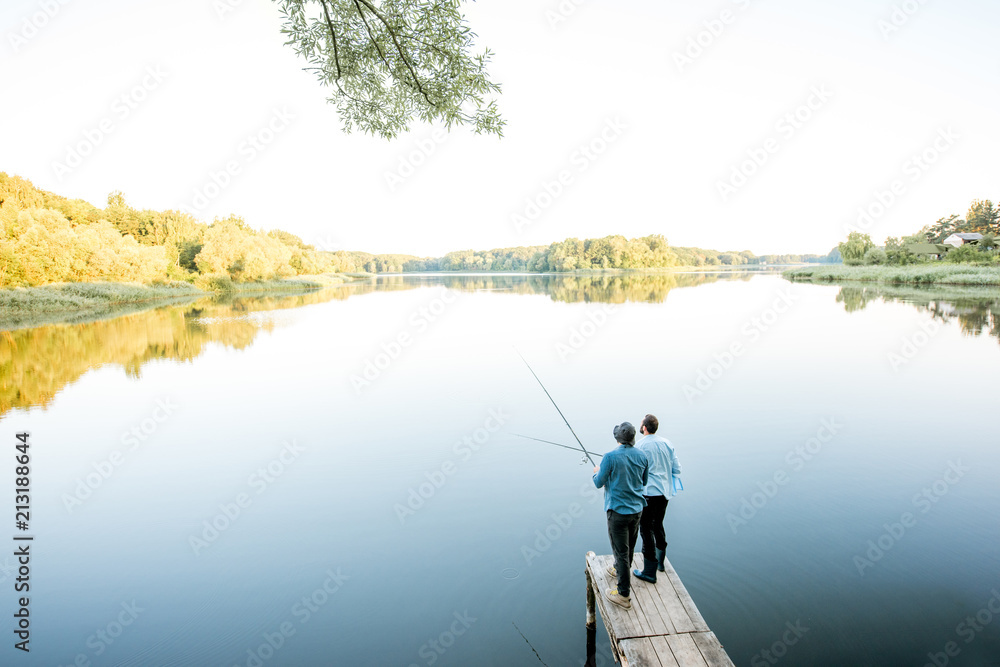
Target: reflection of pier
[[663, 627]]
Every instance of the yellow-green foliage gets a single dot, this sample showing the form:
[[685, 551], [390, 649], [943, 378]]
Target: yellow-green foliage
[[232, 248], [609, 252], [347, 261], [42, 246], [45, 238]]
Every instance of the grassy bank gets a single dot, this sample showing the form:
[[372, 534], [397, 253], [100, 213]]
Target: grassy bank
[[919, 274], [79, 302], [75, 296], [82, 302], [224, 285]]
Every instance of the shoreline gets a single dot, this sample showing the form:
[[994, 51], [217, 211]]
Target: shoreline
[[707, 268], [25, 307], [925, 275]]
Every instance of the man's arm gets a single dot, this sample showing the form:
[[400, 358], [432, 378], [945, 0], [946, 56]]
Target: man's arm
[[601, 476], [675, 465]]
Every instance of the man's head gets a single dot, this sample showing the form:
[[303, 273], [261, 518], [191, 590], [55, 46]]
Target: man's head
[[649, 424], [625, 434]]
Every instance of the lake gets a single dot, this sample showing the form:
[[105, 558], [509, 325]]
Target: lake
[[337, 478]]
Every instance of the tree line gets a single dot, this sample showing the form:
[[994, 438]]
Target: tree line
[[609, 252], [46, 238], [983, 217]]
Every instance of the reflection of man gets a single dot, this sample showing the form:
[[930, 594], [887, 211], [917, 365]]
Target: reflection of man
[[662, 484], [623, 473]]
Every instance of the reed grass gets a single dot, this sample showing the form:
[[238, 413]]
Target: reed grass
[[915, 274], [75, 296]]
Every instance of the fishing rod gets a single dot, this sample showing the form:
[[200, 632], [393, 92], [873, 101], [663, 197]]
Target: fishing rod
[[584, 449], [549, 442]]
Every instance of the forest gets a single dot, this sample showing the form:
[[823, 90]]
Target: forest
[[609, 252], [46, 238]]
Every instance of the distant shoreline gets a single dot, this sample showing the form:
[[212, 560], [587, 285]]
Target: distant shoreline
[[716, 268]]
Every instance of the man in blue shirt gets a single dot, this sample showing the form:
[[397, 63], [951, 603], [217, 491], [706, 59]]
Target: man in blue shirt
[[663, 483], [623, 474]]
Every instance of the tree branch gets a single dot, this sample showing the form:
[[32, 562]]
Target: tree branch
[[333, 34], [399, 47], [368, 29]]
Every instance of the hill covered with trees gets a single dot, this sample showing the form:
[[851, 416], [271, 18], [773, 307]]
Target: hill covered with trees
[[46, 238]]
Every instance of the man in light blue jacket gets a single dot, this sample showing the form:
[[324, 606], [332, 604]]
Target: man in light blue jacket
[[662, 484]]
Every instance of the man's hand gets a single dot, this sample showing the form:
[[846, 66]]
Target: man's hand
[[597, 469]]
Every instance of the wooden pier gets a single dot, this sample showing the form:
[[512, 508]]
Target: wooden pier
[[663, 627]]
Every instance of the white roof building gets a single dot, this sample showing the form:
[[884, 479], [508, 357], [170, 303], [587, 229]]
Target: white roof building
[[958, 240]]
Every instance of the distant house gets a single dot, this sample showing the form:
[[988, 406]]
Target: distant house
[[927, 250], [958, 240]]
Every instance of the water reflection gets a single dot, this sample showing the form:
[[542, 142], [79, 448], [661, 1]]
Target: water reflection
[[794, 561], [36, 363], [588, 288], [977, 310]]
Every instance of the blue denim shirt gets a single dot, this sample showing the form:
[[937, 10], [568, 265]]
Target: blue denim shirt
[[623, 473], [664, 469]]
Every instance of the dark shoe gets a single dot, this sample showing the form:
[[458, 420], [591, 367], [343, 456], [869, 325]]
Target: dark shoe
[[644, 576], [660, 555], [648, 572]]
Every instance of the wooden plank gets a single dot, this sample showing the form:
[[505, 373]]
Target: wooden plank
[[645, 597], [639, 652], [656, 624], [692, 609], [616, 619], [653, 590], [685, 651], [711, 649], [663, 652], [662, 629], [620, 619], [672, 602], [661, 606], [645, 619]]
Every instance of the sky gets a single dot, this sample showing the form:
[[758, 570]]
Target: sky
[[775, 126]]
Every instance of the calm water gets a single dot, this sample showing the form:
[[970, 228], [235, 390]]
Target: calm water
[[355, 451]]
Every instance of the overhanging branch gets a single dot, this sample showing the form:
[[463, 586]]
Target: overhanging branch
[[399, 47], [333, 35]]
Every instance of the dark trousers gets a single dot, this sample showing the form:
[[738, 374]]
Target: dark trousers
[[651, 526], [623, 529]]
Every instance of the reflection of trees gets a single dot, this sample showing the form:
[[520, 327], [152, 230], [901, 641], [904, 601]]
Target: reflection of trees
[[977, 310], [36, 363], [854, 298], [568, 288]]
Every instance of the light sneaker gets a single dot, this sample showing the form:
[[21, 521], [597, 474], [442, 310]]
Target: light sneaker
[[612, 571], [614, 598]]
